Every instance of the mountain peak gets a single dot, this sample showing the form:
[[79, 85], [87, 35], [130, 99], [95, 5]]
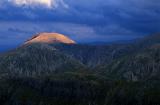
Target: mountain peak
[[50, 38]]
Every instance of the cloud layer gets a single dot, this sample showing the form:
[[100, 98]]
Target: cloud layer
[[95, 20], [47, 3], [33, 4]]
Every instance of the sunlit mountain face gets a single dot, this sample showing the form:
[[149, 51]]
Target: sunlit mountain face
[[79, 52], [50, 38]]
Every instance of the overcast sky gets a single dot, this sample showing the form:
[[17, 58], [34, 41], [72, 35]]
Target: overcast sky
[[82, 20]]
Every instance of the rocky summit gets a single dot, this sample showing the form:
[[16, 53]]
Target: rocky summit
[[50, 38]]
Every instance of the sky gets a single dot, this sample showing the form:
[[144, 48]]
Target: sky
[[84, 21]]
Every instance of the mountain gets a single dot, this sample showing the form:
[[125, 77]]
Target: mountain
[[36, 59], [143, 66], [50, 38], [53, 51], [50, 70], [140, 65]]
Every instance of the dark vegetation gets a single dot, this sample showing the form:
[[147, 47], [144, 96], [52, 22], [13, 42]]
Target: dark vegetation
[[42, 74], [86, 90]]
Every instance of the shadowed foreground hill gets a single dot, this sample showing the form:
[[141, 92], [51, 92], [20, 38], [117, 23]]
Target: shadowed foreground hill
[[72, 74], [37, 59]]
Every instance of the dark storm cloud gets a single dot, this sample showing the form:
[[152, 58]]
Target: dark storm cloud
[[135, 16], [139, 16]]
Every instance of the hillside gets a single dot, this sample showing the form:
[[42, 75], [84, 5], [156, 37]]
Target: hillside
[[78, 74], [140, 66], [37, 59]]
